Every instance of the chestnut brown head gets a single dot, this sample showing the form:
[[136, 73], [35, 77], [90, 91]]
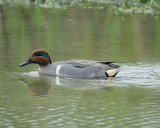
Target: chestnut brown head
[[38, 56]]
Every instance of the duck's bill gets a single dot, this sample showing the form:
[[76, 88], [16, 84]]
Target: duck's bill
[[26, 63]]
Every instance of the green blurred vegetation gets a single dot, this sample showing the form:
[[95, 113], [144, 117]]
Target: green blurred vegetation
[[117, 6]]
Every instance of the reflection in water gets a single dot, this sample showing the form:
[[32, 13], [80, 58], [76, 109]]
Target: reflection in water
[[41, 86], [94, 105], [75, 82], [38, 88]]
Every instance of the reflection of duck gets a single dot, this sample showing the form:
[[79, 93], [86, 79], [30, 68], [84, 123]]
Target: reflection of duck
[[38, 88], [72, 68], [76, 83]]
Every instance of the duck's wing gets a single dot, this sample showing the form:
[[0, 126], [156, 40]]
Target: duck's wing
[[110, 64], [89, 63]]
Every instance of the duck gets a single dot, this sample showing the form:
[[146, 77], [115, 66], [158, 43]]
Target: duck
[[74, 68]]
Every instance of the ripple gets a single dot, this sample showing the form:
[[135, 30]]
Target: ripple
[[142, 74], [32, 74]]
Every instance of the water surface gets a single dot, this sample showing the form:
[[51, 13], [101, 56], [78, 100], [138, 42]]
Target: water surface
[[131, 99]]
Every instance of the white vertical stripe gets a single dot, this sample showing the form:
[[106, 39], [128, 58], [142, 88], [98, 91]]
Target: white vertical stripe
[[57, 69]]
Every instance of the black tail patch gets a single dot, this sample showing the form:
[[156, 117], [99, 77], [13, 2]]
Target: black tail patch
[[115, 74], [106, 62]]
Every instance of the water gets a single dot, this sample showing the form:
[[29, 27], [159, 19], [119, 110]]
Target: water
[[30, 100]]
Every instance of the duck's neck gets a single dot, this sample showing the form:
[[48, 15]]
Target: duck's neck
[[46, 69], [44, 65]]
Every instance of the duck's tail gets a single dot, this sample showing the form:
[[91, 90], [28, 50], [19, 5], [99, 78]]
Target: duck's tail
[[112, 72]]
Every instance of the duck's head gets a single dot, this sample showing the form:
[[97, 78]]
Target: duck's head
[[38, 56]]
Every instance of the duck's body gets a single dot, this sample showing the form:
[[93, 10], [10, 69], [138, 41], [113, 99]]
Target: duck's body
[[79, 68], [72, 68]]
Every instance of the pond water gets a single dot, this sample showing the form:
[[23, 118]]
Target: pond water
[[30, 100]]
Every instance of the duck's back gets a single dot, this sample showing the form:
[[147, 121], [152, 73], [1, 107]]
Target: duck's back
[[80, 68]]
